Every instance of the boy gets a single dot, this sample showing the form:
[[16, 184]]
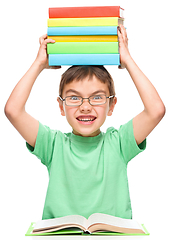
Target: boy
[[87, 168]]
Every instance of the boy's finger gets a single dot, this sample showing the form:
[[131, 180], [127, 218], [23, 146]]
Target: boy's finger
[[42, 38], [44, 42], [119, 29], [49, 40], [120, 36], [123, 32]]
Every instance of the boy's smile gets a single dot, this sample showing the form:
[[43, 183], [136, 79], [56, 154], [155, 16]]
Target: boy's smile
[[86, 119]]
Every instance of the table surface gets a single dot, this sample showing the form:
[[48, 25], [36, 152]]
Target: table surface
[[150, 237]]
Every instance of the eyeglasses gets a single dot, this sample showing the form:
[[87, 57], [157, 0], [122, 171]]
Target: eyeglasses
[[78, 101]]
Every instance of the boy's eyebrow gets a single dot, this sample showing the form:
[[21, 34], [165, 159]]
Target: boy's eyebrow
[[76, 92]]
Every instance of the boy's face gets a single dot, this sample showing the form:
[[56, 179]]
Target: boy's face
[[79, 116]]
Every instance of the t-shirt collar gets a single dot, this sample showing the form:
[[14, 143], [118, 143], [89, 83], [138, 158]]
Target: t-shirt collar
[[82, 139]]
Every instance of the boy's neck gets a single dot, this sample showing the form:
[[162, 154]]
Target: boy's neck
[[94, 134]]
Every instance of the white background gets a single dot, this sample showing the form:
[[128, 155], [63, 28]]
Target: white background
[[23, 178]]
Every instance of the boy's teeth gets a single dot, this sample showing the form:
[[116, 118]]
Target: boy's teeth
[[86, 119]]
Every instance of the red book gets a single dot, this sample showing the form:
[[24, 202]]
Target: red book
[[84, 12]]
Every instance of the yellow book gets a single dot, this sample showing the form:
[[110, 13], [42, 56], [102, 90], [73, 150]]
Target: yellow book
[[81, 22], [97, 38]]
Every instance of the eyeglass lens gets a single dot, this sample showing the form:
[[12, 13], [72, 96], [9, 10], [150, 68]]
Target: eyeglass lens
[[94, 100]]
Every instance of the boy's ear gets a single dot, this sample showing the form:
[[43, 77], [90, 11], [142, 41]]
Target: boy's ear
[[61, 106], [111, 108]]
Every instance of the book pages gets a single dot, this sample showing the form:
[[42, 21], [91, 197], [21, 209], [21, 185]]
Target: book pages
[[114, 221], [67, 220]]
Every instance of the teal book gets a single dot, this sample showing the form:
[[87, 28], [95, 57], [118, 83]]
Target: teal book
[[83, 59], [96, 224], [99, 30], [82, 47]]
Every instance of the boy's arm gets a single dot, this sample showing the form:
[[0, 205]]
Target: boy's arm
[[25, 124], [154, 108]]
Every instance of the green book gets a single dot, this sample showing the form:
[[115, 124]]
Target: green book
[[66, 231], [96, 224], [82, 47]]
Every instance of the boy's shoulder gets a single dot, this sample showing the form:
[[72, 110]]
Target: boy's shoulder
[[122, 128]]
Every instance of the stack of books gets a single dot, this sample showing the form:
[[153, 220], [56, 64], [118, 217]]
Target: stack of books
[[84, 35]]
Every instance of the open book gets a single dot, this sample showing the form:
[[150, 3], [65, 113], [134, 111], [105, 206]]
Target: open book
[[96, 223]]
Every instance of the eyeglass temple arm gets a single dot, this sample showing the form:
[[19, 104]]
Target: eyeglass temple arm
[[111, 96], [61, 98]]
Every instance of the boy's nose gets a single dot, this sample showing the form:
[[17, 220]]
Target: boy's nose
[[86, 106]]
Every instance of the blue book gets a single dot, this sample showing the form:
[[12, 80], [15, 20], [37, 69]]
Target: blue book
[[83, 59], [100, 30]]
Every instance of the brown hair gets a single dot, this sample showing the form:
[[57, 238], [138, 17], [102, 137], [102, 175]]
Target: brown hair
[[81, 72]]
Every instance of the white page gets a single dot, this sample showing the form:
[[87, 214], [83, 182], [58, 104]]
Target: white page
[[71, 219], [114, 221]]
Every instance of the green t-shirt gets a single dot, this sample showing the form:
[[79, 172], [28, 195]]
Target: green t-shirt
[[87, 174]]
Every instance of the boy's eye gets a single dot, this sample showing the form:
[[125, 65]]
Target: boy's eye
[[74, 98], [97, 97]]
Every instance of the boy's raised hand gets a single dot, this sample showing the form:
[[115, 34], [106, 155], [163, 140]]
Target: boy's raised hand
[[123, 46], [42, 56]]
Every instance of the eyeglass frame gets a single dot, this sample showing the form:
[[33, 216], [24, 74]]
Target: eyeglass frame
[[64, 100]]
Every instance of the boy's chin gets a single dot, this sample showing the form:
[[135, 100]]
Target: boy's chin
[[86, 133]]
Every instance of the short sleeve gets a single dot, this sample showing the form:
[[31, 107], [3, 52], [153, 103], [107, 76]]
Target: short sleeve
[[128, 145], [44, 145]]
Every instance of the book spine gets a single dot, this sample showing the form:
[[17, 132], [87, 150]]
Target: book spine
[[93, 38], [74, 22], [63, 31], [78, 12], [82, 47], [83, 59]]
